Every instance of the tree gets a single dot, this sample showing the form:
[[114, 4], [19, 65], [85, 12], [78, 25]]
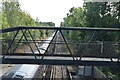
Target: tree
[[94, 14], [75, 18]]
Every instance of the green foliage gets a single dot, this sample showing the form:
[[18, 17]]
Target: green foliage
[[75, 18], [13, 16], [101, 14], [94, 14], [11, 9], [47, 24]]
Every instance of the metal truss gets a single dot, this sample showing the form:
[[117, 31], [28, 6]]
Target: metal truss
[[51, 58]]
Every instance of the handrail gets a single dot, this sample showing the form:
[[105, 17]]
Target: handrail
[[57, 28]]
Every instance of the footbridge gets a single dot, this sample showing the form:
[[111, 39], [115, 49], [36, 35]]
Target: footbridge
[[64, 46]]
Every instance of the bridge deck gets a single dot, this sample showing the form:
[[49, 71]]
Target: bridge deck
[[60, 60]]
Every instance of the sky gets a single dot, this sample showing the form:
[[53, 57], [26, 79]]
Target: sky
[[49, 10]]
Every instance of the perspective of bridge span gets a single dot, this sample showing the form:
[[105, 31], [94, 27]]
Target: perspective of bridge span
[[57, 49]]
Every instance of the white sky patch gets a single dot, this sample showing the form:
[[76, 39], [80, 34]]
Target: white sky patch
[[49, 10], [101, 0]]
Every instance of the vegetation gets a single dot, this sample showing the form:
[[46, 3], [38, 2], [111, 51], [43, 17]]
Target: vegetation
[[98, 15], [13, 16], [92, 14]]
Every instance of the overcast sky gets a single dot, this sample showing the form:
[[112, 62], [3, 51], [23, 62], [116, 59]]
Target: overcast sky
[[49, 10]]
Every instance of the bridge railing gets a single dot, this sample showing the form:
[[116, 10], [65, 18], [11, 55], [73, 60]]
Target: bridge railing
[[76, 42]]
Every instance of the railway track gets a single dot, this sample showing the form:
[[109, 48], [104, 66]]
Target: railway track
[[58, 72]]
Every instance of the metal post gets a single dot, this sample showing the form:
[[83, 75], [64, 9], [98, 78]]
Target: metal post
[[66, 44], [49, 44], [34, 41], [19, 41], [11, 43], [29, 44], [88, 43], [114, 43]]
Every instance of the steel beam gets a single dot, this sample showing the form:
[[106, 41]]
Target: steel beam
[[53, 55], [58, 28], [59, 62]]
